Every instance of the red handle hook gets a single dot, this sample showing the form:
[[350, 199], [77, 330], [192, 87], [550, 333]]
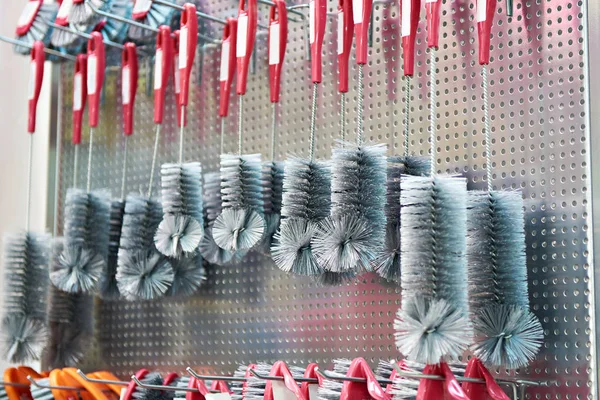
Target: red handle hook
[[246, 36], [129, 81], [163, 60], [345, 32], [95, 75], [278, 33], [79, 95], [188, 40], [35, 82], [227, 69], [361, 13], [486, 10], [317, 20], [410, 11]]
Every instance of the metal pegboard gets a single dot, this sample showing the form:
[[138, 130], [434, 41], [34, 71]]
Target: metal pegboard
[[255, 312]]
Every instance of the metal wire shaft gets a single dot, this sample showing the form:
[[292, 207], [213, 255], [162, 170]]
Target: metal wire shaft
[[313, 122], [154, 156]]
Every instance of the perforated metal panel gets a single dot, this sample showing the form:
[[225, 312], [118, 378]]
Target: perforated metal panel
[[254, 312]]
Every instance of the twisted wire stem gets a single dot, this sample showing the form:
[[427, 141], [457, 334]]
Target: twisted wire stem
[[486, 127], [406, 114], [124, 172], [75, 165], [432, 106], [273, 128], [222, 134], [89, 166], [181, 129], [359, 110], [154, 156], [343, 118], [240, 119], [313, 122], [29, 172]]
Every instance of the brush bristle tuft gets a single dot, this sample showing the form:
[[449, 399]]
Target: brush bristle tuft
[[189, 275], [178, 236], [145, 274], [23, 338], [238, 229], [156, 15], [77, 270], [39, 29], [292, 251], [140, 393], [82, 13]]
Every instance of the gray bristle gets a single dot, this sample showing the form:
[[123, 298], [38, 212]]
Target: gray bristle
[[144, 274], [140, 393], [236, 387], [156, 16], [292, 250], [385, 368], [39, 393], [507, 335], [329, 278], [113, 30], [272, 187], [66, 346], [189, 275], [350, 238], [23, 338], [332, 389], [109, 289], [405, 389], [82, 13], [345, 243], [433, 321], [181, 382], [212, 252], [387, 262], [255, 387], [212, 197], [141, 218], [306, 190], [182, 226], [39, 29], [178, 236], [67, 40], [77, 270], [395, 169], [241, 224]]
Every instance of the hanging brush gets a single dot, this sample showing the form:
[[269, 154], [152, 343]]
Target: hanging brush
[[181, 229], [387, 262], [367, 388], [212, 181], [152, 14], [113, 29], [80, 266], [507, 334], [241, 224], [26, 257], [306, 182], [272, 171], [82, 13], [433, 323], [31, 26], [347, 240], [66, 38]]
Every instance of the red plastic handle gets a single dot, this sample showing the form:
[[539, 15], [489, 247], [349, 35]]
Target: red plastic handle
[[28, 15], [220, 386], [281, 369], [278, 33], [310, 372], [129, 81], [317, 20], [163, 61], [62, 18], [432, 9], [95, 75], [490, 391], [361, 13], [188, 40], [246, 36], [132, 385], [177, 78], [359, 391], [79, 95], [411, 12], [168, 380], [227, 69], [345, 32], [195, 384], [141, 9], [449, 389], [486, 10], [36, 77]]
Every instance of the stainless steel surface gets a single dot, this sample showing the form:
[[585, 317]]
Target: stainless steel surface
[[540, 145]]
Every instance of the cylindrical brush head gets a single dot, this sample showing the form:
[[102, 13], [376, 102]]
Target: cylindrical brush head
[[181, 229], [507, 333], [306, 201], [433, 321], [108, 283], [188, 276], [349, 238], [241, 224], [272, 182]]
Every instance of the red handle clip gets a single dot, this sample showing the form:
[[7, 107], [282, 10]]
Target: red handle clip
[[278, 32], [345, 32], [371, 389], [188, 40], [317, 20], [163, 60], [410, 11], [486, 10], [475, 391], [28, 15], [62, 18], [36, 76], [95, 75], [227, 69], [177, 78], [79, 95], [361, 13], [246, 36], [432, 8], [281, 369], [129, 80]]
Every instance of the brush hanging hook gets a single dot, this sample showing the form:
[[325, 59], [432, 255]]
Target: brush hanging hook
[[79, 33], [18, 385], [163, 387], [30, 46], [103, 381], [214, 377], [335, 377], [42, 386], [290, 9], [281, 378]]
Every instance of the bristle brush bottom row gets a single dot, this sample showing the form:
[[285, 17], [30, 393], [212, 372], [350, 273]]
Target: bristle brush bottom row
[[291, 251]]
